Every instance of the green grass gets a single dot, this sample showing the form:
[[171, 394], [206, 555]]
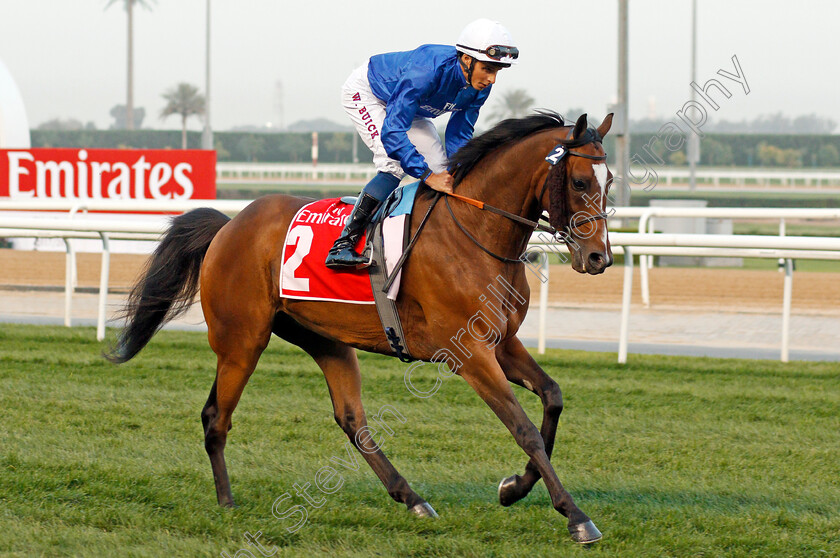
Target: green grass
[[738, 198], [670, 456], [770, 264], [813, 228], [824, 266]]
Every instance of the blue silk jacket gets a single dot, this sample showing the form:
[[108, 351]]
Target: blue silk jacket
[[424, 82]]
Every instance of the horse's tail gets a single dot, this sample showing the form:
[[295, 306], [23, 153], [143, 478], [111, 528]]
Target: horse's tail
[[169, 281]]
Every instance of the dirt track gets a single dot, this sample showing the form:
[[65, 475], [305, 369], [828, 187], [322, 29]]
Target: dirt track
[[706, 288], [40, 269], [718, 289]]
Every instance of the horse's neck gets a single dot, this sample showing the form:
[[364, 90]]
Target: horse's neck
[[507, 180]]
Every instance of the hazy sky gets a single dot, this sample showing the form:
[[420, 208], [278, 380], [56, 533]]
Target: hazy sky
[[69, 56]]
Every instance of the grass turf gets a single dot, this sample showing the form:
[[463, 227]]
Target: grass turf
[[670, 456]]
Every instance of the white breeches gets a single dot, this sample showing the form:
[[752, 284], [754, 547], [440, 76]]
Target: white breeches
[[368, 112]]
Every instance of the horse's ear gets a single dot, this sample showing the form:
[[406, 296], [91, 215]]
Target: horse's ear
[[580, 126], [605, 125]]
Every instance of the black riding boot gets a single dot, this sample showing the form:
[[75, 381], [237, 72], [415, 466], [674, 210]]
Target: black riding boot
[[342, 254]]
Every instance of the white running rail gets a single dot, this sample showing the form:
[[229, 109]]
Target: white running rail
[[644, 243]]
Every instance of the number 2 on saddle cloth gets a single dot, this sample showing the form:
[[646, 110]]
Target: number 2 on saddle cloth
[[311, 235]]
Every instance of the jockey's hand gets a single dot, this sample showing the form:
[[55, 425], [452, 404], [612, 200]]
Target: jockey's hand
[[442, 182]]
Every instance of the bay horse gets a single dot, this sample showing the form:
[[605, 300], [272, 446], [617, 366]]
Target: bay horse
[[239, 261]]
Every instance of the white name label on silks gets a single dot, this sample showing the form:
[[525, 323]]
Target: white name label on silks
[[556, 154]]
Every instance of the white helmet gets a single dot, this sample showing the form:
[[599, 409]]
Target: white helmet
[[488, 41]]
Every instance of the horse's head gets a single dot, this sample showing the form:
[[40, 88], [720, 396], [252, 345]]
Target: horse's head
[[577, 190]]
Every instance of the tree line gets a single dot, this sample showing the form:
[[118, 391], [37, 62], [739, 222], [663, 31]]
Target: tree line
[[288, 147], [743, 150]]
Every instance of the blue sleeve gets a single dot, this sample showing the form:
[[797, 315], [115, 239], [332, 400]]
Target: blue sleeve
[[400, 112], [459, 129]]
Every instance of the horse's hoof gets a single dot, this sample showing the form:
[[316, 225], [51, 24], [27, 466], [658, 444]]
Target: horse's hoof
[[507, 487], [423, 509], [585, 533]]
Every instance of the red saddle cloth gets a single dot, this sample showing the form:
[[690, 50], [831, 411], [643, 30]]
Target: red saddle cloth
[[311, 235]]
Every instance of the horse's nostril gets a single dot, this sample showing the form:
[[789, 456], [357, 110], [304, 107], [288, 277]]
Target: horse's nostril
[[597, 259]]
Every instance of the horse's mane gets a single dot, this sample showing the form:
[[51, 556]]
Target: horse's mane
[[466, 158]]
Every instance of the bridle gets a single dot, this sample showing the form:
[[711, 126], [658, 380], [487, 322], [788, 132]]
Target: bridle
[[555, 157]]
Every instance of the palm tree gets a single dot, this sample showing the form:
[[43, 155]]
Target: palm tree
[[513, 104], [183, 99], [129, 95]]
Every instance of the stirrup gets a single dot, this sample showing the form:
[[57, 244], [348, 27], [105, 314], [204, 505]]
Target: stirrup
[[347, 258], [366, 253], [342, 254]]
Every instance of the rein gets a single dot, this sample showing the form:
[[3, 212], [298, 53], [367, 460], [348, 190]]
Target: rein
[[522, 220], [503, 213], [475, 241]]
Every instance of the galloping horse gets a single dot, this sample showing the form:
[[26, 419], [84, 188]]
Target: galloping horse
[[239, 262]]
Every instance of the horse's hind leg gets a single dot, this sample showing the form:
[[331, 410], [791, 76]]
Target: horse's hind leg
[[341, 371], [236, 360], [521, 369]]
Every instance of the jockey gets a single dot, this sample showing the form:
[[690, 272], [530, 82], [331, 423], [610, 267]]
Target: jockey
[[391, 100]]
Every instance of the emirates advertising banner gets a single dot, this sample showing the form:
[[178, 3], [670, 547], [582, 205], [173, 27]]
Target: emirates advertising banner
[[108, 174]]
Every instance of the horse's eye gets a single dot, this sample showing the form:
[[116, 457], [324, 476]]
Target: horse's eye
[[579, 185]]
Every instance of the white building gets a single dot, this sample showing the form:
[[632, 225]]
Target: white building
[[14, 126]]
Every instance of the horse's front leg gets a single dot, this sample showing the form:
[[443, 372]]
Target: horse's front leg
[[521, 369], [486, 377]]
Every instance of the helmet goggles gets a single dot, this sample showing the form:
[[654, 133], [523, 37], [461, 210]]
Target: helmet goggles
[[496, 52]]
